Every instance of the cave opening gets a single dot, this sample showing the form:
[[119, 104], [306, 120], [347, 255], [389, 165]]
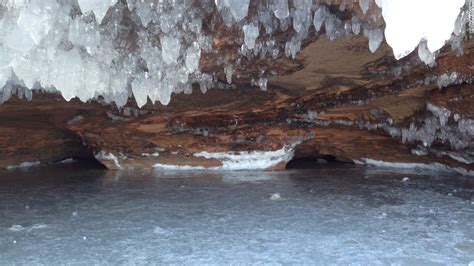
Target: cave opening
[[313, 162]]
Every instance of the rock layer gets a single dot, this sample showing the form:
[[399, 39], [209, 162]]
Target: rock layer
[[340, 100]]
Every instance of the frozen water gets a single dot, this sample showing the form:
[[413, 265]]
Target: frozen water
[[256, 160], [301, 21], [292, 48], [102, 155], [155, 154], [432, 166], [36, 20], [17, 40], [228, 73], [99, 7], [193, 54], [342, 215], [17, 227], [152, 48], [276, 196], [23, 165], [261, 83], [280, 8], [85, 34], [170, 49], [425, 55], [440, 112], [238, 8], [303, 4], [356, 25], [251, 33], [461, 22], [364, 5], [375, 39], [432, 128], [319, 16], [67, 69]]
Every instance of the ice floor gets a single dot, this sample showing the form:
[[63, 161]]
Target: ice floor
[[339, 215]]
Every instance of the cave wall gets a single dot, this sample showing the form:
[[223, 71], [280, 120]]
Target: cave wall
[[340, 100]]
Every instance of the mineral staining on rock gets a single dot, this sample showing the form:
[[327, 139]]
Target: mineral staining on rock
[[151, 49]]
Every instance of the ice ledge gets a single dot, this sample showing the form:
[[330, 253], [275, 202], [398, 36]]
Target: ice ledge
[[24, 165], [432, 166], [235, 161]]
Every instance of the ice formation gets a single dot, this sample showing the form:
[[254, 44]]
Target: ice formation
[[256, 160], [23, 165], [458, 136], [261, 83], [102, 155], [276, 196], [250, 35], [172, 167], [375, 37], [152, 48], [364, 5], [99, 7], [431, 166], [155, 154], [280, 8], [441, 132]]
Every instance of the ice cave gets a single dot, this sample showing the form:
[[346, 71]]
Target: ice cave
[[237, 132]]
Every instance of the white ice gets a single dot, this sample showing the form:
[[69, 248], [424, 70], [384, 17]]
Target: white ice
[[102, 155], [280, 8], [151, 49], [24, 165], [238, 8], [99, 7], [251, 33], [255, 160], [436, 167]]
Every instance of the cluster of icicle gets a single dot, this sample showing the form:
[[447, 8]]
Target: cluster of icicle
[[152, 48]]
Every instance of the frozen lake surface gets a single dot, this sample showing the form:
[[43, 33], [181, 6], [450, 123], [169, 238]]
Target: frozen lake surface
[[344, 214]]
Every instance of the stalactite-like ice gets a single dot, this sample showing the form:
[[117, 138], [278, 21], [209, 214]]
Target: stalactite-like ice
[[228, 73], [364, 5], [152, 48], [319, 16], [238, 8], [170, 49], [250, 35], [280, 8], [99, 7], [375, 39]]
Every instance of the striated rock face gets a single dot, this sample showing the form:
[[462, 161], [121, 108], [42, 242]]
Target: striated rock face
[[338, 100]]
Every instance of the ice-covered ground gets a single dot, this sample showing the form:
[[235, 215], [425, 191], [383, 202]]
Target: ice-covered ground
[[345, 214]]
